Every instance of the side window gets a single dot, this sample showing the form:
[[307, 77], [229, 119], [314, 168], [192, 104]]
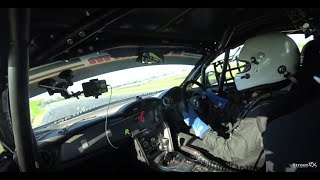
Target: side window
[[300, 40], [213, 72], [210, 73]]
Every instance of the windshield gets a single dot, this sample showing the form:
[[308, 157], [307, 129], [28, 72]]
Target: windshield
[[127, 79]]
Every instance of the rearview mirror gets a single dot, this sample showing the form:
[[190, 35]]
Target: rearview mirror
[[150, 58]]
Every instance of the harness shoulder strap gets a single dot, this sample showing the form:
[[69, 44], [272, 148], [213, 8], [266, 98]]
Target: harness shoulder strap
[[253, 104]]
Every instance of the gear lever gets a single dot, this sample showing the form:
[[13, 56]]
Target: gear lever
[[167, 158], [172, 160]]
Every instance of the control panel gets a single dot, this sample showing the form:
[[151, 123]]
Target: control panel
[[150, 140]]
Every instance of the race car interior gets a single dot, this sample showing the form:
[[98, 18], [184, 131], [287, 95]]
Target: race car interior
[[81, 121], [141, 128]]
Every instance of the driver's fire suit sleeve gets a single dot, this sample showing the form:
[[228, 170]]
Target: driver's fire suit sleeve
[[245, 139]]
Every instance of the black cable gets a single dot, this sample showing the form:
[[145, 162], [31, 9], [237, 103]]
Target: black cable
[[256, 164], [106, 121]]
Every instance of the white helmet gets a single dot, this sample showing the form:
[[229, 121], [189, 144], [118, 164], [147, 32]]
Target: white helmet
[[268, 57]]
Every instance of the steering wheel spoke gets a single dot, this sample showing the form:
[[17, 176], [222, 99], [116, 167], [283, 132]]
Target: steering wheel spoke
[[184, 98]]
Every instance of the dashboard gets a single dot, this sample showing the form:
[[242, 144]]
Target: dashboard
[[135, 138], [142, 121]]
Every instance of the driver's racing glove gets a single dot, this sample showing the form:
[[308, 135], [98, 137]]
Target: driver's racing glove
[[192, 119], [216, 100]]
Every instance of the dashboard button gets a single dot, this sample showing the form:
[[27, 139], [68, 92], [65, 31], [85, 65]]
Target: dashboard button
[[145, 144], [152, 139]]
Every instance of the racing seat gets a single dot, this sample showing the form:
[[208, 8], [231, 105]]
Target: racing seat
[[310, 66], [291, 141]]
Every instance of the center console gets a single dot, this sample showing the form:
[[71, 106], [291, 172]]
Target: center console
[[154, 147], [172, 161], [148, 141]]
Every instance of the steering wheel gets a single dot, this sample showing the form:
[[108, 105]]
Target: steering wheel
[[184, 98], [205, 111]]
